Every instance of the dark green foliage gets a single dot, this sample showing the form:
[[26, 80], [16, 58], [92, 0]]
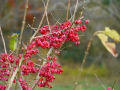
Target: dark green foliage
[[75, 53], [106, 2]]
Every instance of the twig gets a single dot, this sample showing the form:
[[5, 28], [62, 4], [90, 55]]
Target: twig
[[87, 51], [114, 83], [10, 81], [45, 34], [19, 85], [31, 27], [3, 40], [75, 10], [83, 8], [47, 17], [76, 7], [100, 82], [22, 28], [40, 22], [68, 7], [38, 77]]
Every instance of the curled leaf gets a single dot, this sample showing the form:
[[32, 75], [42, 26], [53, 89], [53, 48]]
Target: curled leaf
[[110, 46]]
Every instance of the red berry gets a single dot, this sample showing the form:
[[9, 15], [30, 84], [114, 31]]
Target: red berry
[[87, 21]]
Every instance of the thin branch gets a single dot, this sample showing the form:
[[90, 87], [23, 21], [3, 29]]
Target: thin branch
[[47, 17], [40, 22], [38, 77], [83, 8], [31, 27], [76, 7], [114, 83], [87, 50], [86, 53], [10, 82], [68, 7], [75, 10], [50, 51], [23, 26], [45, 34], [100, 81], [3, 40]]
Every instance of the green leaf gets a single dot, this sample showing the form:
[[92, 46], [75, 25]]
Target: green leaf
[[110, 46], [112, 34], [13, 42]]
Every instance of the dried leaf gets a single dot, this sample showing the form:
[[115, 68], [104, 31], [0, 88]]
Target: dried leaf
[[110, 46]]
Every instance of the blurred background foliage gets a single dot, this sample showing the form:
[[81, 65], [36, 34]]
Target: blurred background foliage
[[101, 13]]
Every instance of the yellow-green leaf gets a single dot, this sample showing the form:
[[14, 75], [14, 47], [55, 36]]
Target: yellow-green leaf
[[13, 42], [113, 34], [110, 46]]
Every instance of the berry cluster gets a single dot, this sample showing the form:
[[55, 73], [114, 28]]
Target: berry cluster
[[55, 36], [50, 37], [24, 84], [109, 89], [2, 87], [46, 72], [5, 61], [29, 68]]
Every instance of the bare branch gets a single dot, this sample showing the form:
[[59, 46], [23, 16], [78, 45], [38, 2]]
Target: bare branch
[[47, 17], [87, 50], [3, 40], [100, 81], [23, 26], [76, 7], [40, 22], [68, 7]]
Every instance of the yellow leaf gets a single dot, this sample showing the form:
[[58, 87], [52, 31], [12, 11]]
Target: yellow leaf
[[113, 34], [110, 46]]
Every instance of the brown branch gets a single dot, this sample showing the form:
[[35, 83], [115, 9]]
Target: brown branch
[[22, 28], [83, 8], [68, 7], [40, 22], [76, 7], [10, 82], [87, 50], [3, 40], [114, 84], [86, 54], [100, 81], [47, 17]]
